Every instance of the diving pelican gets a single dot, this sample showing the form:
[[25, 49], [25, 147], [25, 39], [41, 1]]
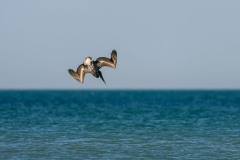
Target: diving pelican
[[93, 67]]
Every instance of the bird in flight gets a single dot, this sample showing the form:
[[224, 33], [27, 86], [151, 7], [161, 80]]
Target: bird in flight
[[93, 67]]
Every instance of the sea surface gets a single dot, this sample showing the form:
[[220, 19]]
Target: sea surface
[[120, 124]]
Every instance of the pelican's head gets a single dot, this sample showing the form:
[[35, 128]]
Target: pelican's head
[[87, 61]]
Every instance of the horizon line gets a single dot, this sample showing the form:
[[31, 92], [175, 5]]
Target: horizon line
[[123, 89]]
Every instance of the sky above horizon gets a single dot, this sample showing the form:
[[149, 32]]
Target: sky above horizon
[[160, 44]]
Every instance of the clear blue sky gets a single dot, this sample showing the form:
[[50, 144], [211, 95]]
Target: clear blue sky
[[160, 44]]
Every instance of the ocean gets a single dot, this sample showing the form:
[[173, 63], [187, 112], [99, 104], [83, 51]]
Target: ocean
[[120, 124]]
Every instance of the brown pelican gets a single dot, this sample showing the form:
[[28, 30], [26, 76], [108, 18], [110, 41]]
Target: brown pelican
[[91, 66]]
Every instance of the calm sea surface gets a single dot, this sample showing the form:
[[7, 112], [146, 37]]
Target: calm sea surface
[[120, 125]]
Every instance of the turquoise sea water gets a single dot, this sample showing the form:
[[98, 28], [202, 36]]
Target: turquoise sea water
[[120, 125]]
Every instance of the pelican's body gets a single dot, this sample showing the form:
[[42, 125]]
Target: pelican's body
[[93, 67]]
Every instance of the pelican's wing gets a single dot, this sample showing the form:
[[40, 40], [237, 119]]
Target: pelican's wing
[[103, 61], [81, 70], [80, 73]]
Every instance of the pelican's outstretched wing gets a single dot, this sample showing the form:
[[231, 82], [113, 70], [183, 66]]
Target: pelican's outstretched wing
[[103, 61], [80, 73]]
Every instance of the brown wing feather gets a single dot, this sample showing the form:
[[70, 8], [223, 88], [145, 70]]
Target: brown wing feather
[[81, 70], [103, 61]]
